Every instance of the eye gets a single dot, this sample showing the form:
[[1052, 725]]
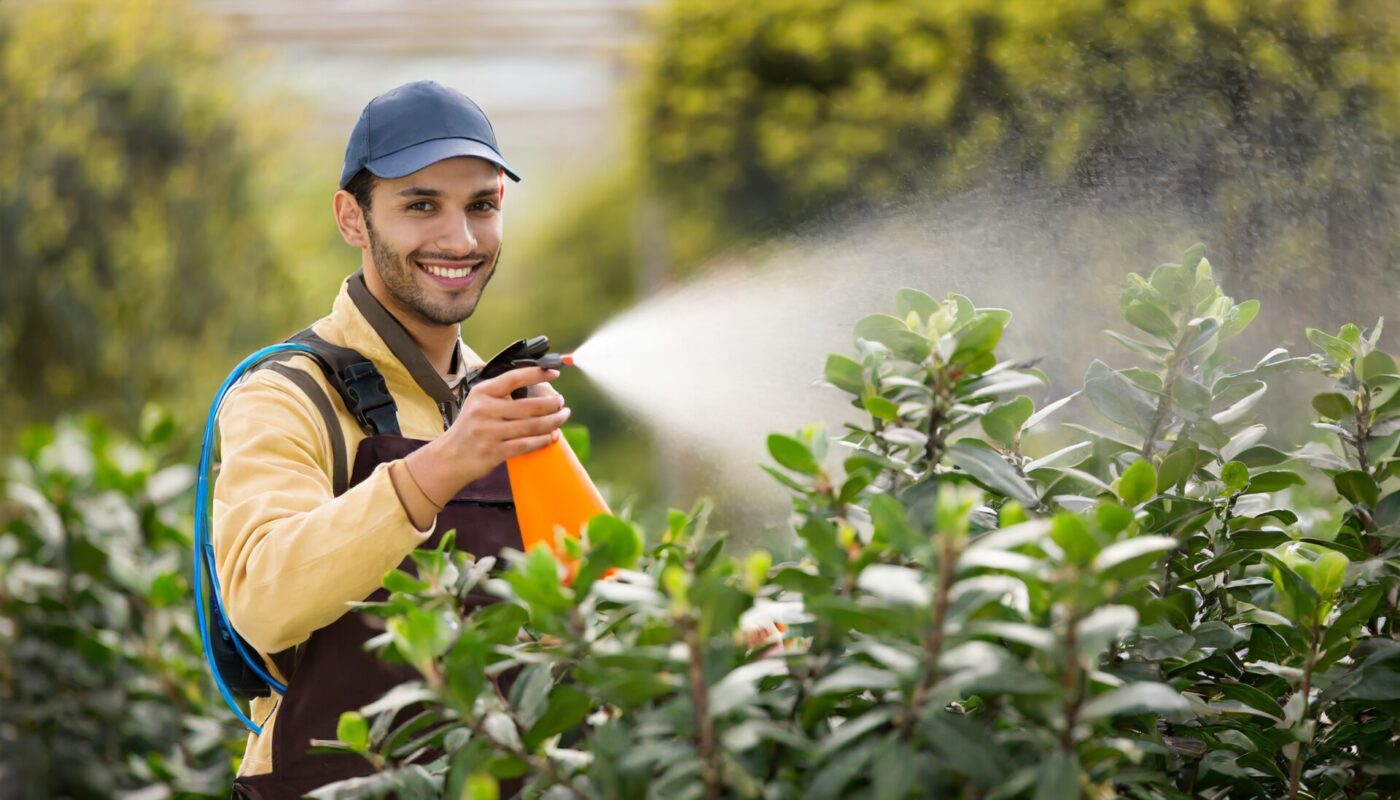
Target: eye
[[483, 205], [421, 205]]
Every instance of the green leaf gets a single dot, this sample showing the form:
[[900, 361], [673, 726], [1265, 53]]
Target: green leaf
[[1333, 405], [1148, 317], [896, 769], [880, 408], [1358, 487], [1235, 475], [1274, 480], [399, 581], [1177, 466], [894, 334], [566, 708], [1191, 257], [1153, 351], [845, 374], [793, 454], [1071, 533], [978, 337], [892, 524], [1117, 398], [1375, 364], [481, 786], [967, 747], [907, 300], [1058, 778], [353, 730], [855, 679], [1003, 423], [613, 542], [1353, 616], [1376, 678], [1144, 697], [1191, 395], [1338, 350], [1239, 318], [1297, 600], [1103, 626], [1123, 558], [1138, 483], [992, 471]]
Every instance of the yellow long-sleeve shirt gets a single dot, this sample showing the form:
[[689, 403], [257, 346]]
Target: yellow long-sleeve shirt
[[290, 553]]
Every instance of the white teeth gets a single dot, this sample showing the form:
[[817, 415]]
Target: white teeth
[[442, 272]]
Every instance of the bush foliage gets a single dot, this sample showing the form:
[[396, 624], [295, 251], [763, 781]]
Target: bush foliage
[[102, 686], [1171, 606]]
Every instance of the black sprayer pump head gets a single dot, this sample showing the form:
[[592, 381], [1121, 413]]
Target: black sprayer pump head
[[522, 353]]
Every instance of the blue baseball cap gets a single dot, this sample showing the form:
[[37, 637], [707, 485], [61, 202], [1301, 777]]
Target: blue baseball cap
[[417, 124]]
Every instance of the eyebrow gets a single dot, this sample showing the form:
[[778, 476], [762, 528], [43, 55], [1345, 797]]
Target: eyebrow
[[423, 191]]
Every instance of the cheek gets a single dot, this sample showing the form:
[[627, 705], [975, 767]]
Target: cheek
[[488, 233], [406, 236]]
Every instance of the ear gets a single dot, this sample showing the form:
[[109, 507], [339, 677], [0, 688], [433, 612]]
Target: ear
[[350, 219]]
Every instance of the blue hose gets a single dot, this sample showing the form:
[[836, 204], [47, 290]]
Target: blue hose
[[204, 546]]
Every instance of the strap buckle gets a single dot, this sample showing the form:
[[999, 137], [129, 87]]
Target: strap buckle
[[371, 402]]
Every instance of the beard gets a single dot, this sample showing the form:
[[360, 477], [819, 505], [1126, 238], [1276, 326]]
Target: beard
[[399, 274]]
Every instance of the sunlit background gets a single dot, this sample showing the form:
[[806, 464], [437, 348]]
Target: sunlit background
[[721, 187]]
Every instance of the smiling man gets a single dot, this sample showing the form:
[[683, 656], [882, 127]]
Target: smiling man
[[334, 469]]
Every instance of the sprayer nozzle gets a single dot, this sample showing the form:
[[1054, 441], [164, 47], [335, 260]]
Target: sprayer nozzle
[[547, 361]]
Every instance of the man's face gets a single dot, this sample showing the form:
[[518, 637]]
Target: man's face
[[435, 237]]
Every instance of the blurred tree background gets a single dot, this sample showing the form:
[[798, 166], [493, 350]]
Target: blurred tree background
[[1274, 121], [149, 229]]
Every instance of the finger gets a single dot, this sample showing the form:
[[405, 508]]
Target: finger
[[535, 426], [502, 385], [529, 444], [530, 407]]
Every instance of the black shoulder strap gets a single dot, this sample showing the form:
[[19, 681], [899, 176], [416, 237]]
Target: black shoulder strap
[[357, 381]]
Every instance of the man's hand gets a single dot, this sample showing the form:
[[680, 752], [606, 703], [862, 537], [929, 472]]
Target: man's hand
[[492, 427]]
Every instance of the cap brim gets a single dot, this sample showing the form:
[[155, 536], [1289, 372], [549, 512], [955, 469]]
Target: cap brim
[[411, 159]]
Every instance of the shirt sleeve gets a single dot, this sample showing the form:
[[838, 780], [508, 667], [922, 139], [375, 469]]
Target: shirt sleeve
[[290, 553]]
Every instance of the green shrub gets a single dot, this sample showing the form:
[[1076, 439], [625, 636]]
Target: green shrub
[[1168, 607], [102, 685]]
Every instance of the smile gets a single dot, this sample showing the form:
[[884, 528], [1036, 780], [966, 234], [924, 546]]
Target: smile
[[450, 275]]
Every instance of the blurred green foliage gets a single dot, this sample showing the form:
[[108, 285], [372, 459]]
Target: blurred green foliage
[[102, 685], [148, 230], [1275, 122]]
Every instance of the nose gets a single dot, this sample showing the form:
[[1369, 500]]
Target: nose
[[457, 237]]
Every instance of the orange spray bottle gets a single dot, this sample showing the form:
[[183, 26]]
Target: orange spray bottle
[[551, 489]]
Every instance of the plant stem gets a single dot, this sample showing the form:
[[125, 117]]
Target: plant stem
[[1164, 401], [1073, 689], [1295, 769], [933, 448], [933, 643], [704, 726]]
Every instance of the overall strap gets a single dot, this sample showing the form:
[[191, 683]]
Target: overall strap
[[339, 480]]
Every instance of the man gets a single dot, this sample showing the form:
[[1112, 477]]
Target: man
[[295, 540]]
